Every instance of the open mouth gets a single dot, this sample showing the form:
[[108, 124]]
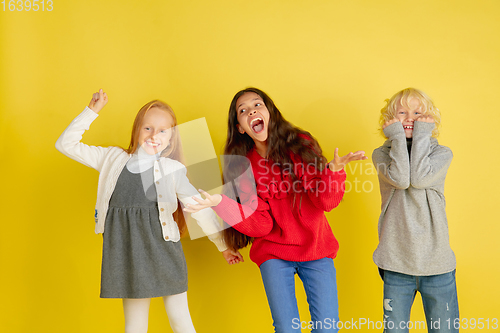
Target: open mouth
[[257, 125], [410, 127]]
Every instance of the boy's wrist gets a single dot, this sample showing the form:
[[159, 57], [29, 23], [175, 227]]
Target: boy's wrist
[[421, 126], [394, 129]]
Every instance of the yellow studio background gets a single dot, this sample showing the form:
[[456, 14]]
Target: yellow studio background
[[328, 65]]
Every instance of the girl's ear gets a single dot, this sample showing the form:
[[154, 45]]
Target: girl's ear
[[240, 129]]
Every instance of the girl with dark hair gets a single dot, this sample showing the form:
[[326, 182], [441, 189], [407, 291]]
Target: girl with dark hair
[[283, 214]]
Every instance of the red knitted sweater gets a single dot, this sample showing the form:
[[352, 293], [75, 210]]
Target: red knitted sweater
[[286, 216]]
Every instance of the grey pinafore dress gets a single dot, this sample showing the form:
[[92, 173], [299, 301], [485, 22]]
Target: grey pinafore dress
[[136, 261]]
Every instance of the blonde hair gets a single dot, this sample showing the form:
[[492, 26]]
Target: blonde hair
[[174, 149], [402, 98]]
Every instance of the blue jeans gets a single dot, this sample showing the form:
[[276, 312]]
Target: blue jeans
[[439, 297], [320, 284]]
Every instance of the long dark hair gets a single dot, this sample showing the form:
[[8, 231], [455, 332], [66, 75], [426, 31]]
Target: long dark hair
[[283, 140]]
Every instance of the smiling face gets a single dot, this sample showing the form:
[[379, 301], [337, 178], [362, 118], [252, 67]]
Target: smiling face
[[253, 117], [408, 114], [155, 131]]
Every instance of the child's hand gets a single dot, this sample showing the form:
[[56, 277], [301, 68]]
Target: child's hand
[[425, 119], [99, 99], [338, 163], [209, 201], [232, 257], [390, 122]]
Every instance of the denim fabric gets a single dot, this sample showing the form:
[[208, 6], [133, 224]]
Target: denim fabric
[[320, 284], [439, 297]]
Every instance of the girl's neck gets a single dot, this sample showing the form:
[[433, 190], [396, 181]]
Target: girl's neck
[[141, 161], [261, 148]]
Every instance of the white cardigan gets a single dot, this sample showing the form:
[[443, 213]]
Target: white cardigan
[[169, 178]]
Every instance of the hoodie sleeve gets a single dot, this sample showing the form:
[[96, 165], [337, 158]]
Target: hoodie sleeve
[[392, 163], [428, 165]]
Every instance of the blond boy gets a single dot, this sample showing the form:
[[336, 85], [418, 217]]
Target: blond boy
[[414, 253]]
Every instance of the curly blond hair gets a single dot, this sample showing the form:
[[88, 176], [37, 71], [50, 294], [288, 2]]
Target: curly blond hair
[[402, 98]]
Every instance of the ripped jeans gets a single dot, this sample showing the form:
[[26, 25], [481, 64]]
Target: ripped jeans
[[439, 297]]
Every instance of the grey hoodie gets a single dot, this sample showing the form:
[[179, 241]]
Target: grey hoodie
[[412, 228]]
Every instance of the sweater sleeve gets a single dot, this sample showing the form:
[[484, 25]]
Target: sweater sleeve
[[69, 142], [205, 218], [326, 188], [393, 165], [427, 167], [251, 218]]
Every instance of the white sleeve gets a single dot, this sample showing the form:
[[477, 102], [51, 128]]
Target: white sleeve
[[205, 218], [69, 142]]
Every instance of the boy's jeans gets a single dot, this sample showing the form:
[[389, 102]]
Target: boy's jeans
[[319, 279], [439, 297]]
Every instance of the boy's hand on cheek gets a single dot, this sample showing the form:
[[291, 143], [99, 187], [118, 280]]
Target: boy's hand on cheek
[[425, 119], [390, 122]]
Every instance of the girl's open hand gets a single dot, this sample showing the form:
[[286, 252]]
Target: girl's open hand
[[209, 201], [390, 122], [425, 119], [98, 101], [232, 257], [338, 163]]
